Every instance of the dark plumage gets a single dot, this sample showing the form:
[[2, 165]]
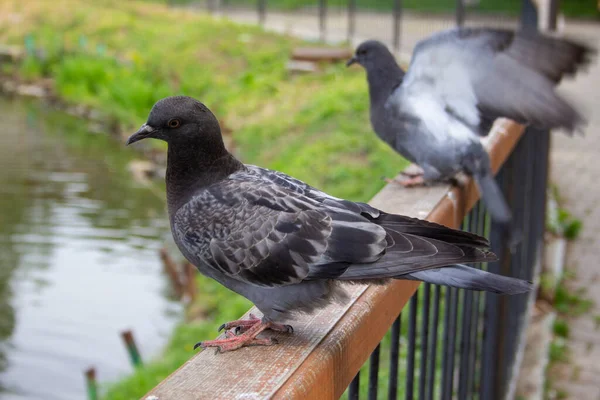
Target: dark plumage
[[284, 244], [459, 81]]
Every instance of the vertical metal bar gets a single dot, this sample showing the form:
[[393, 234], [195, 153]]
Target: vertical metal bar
[[323, 19], [446, 340], [351, 19], [450, 347], [465, 345], [476, 338], [262, 12], [552, 15], [424, 339], [529, 16], [493, 338], [373, 373], [460, 12], [397, 15], [394, 358], [467, 314], [354, 388], [412, 336], [521, 172], [490, 348], [433, 344]]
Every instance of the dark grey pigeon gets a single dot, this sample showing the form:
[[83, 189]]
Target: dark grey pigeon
[[458, 82], [285, 245]]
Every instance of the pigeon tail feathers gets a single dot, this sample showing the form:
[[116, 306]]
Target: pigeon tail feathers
[[465, 277], [493, 198]]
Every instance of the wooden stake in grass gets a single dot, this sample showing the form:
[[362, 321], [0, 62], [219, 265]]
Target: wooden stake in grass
[[172, 271], [190, 281], [132, 349], [92, 385]]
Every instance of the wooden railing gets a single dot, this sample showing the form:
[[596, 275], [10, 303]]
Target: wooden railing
[[328, 348]]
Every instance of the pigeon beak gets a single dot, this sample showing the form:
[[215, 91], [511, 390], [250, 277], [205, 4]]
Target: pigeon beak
[[351, 61], [142, 133]]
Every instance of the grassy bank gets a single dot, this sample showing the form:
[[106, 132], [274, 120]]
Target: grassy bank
[[119, 57], [573, 8]]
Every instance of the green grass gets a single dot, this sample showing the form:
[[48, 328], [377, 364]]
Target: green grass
[[562, 223], [572, 8], [120, 57], [561, 328], [571, 303], [218, 305], [559, 352]]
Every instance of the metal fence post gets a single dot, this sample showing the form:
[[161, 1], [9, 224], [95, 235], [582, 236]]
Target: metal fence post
[[460, 12], [529, 15], [553, 15], [397, 14], [262, 11], [322, 19], [351, 19]]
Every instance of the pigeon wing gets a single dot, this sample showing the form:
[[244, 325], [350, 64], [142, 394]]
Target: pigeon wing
[[264, 234], [477, 74]]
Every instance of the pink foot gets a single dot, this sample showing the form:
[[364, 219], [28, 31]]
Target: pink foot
[[242, 325], [412, 170], [248, 338], [408, 182]]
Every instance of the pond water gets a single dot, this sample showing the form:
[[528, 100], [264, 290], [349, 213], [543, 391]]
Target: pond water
[[79, 263]]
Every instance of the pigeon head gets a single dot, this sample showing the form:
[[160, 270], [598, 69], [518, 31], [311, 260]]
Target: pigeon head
[[180, 120], [370, 53]]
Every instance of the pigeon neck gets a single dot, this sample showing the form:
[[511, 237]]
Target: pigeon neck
[[383, 79], [191, 168]]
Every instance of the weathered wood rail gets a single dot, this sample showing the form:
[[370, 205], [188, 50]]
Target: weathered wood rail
[[329, 347]]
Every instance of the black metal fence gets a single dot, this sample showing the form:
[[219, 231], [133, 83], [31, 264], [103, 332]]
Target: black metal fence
[[401, 23], [460, 344]]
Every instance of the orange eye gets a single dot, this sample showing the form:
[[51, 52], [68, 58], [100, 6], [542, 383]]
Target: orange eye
[[173, 123]]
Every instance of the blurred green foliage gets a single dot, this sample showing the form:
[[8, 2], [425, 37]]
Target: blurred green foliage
[[121, 57], [571, 8]]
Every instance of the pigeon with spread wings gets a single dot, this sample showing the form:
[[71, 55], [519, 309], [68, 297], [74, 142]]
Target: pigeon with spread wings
[[458, 82]]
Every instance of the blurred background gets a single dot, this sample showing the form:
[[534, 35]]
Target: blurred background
[[85, 250]]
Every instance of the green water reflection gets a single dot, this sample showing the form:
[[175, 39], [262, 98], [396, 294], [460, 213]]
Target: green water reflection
[[78, 255]]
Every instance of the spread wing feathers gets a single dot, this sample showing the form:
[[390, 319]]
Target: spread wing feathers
[[478, 74], [267, 235]]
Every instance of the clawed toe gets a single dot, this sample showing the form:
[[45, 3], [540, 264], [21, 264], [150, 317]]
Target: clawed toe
[[241, 324], [232, 342], [243, 333]]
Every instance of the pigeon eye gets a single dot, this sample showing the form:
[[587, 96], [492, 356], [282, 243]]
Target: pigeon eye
[[174, 123], [361, 52]]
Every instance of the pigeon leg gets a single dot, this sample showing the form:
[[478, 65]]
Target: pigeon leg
[[412, 171], [408, 182], [242, 325], [248, 338]]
